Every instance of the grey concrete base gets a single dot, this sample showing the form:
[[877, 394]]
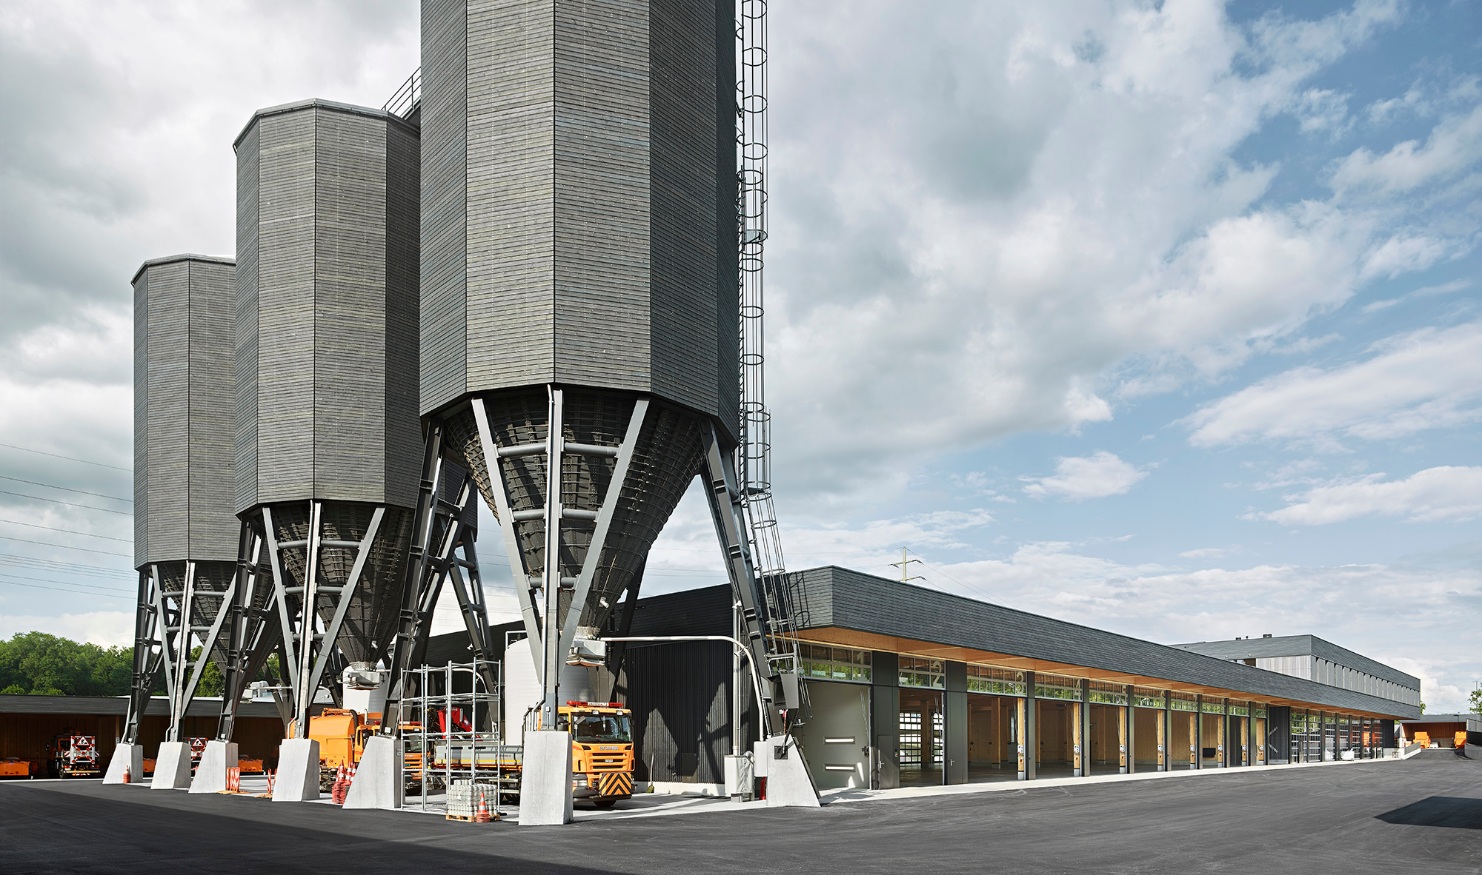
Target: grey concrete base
[[216, 759], [171, 767], [298, 771], [789, 784], [126, 755], [377, 781], [545, 781]]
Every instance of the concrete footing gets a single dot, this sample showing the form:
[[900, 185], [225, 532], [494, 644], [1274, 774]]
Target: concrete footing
[[545, 779], [211, 771], [377, 781], [171, 767], [780, 760], [298, 771], [126, 755]]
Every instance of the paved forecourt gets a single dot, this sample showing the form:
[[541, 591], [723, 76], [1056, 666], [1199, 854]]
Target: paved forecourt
[[1421, 814]]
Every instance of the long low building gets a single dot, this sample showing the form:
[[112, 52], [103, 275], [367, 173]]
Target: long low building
[[907, 685]]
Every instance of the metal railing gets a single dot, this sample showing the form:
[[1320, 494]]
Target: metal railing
[[407, 98]]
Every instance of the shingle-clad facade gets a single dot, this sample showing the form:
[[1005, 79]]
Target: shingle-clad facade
[[327, 315], [579, 223], [183, 395]]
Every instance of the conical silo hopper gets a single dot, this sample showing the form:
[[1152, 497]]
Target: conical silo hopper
[[328, 439]]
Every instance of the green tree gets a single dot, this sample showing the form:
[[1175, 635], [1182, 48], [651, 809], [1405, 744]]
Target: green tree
[[1477, 701], [49, 665]]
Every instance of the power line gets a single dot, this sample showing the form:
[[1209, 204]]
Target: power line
[[61, 583], [67, 531], [65, 546], [68, 503], [66, 489], [57, 565], [68, 458], [101, 595]]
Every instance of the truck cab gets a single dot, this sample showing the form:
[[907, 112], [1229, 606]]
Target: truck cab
[[601, 750]]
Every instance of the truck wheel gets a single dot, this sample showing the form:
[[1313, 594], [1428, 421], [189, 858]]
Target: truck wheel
[[605, 803]]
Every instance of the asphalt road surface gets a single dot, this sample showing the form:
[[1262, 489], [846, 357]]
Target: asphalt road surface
[[1422, 815]]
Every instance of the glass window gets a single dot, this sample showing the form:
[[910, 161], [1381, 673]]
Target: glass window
[[1104, 693], [992, 679], [598, 728], [1213, 706], [1053, 686], [835, 663], [1147, 697], [919, 672], [1182, 702], [1240, 710]]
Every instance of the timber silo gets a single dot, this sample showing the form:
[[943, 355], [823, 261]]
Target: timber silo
[[328, 440], [579, 280], [185, 534]]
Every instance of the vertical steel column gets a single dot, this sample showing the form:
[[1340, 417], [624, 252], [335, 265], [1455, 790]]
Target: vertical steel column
[[148, 656], [1029, 743], [550, 638]]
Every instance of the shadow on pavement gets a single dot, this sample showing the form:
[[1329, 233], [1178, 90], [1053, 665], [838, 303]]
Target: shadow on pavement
[[1450, 811]]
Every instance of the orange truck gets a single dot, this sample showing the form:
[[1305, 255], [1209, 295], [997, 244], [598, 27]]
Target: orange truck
[[601, 750], [15, 767], [74, 756]]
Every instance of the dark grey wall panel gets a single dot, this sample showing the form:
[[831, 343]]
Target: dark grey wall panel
[[1300, 645], [444, 201], [329, 206], [246, 345], [579, 224], [509, 180], [183, 411]]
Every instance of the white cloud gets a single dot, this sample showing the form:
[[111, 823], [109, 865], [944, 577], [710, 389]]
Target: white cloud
[[1322, 111], [1455, 144], [1421, 380], [1079, 478], [1442, 493], [104, 628]]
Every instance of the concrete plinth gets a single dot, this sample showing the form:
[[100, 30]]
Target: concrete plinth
[[377, 781], [298, 771], [171, 767], [216, 759], [789, 783], [126, 755], [545, 781]]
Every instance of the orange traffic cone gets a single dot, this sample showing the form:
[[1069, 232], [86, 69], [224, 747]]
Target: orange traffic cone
[[128, 776], [482, 815]]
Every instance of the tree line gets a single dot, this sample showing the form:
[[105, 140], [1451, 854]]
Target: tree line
[[39, 664]]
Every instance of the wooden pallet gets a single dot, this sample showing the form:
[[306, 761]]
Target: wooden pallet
[[469, 818]]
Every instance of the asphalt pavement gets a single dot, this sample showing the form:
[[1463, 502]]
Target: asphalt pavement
[[1420, 815]]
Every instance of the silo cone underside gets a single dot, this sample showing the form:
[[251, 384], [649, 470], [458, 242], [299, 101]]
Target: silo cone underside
[[372, 617], [665, 459]]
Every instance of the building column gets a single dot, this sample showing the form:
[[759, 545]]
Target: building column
[[1221, 734], [1028, 732], [1129, 735], [1196, 736], [1165, 729], [885, 720], [954, 724], [1080, 733]]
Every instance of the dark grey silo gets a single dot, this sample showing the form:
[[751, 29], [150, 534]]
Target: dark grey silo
[[185, 534], [183, 395], [327, 347], [579, 233]]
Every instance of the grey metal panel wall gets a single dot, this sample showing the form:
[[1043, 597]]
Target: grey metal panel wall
[[183, 405], [873, 604], [246, 346], [510, 181], [444, 201], [213, 525], [602, 148], [141, 420], [403, 445], [334, 356], [1296, 647], [579, 223], [684, 191], [285, 308]]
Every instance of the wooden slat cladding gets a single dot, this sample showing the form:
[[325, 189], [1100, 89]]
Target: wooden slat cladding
[[579, 219], [332, 214], [183, 410]]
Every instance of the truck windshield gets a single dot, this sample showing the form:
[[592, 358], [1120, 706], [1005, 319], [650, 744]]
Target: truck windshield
[[598, 728]]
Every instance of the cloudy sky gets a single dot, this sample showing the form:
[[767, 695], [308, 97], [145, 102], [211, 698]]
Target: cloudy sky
[[1163, 318]]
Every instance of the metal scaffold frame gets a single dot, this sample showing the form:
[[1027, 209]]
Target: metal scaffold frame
[[470, 747]]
